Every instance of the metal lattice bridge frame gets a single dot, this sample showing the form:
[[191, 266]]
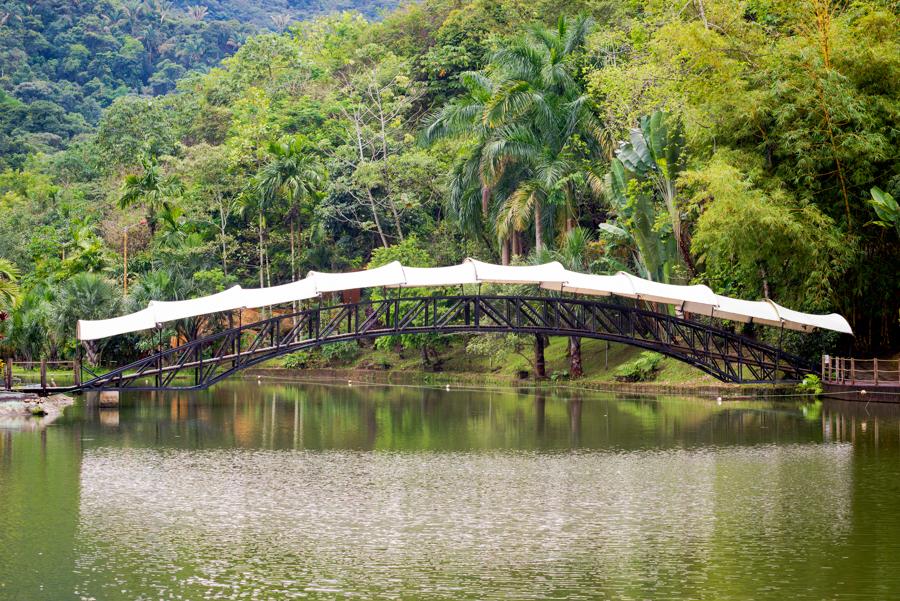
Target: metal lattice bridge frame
[[202, 362]]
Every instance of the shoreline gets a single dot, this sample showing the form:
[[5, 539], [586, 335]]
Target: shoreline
[[376, 376], [28, 411]]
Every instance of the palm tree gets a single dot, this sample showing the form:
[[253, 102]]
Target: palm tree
[[85, 296], [198, 13], [251, 201], [151, 189], [295, 177], [29, 327], [574, 252], [532, 129], [9, 289], [642, 175], [281, 21]]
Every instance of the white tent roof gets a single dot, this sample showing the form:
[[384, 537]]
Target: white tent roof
[[252, 298], [454, 275], [518, 274], [744, 311], [226, 300], [386, 275], [695, 299], [589, 283], [88, 329], [672, 294], [807, 322]]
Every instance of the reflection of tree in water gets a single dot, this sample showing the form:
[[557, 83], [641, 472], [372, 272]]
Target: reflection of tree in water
[[363, 416]]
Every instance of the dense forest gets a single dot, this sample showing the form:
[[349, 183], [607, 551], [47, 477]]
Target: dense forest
[[62, 63], [750, 145]]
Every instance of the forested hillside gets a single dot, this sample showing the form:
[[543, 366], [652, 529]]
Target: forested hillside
[[275, 14], [63, 62], [744, 144]]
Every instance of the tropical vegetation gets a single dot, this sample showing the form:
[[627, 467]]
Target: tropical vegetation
[[744, 144]]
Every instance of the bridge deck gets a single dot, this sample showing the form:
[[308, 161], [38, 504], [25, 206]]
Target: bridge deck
[[715, 350]]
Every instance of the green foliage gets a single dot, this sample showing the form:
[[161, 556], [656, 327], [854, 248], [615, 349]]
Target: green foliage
[[556, 376], [811, 384], [641, 187], [496, 347], [9, 290], [887, 209], [724, 239], [339, 352], [532, 131], [85, 296], [642, 369], [298, 360], [752, 140], [66, 61]]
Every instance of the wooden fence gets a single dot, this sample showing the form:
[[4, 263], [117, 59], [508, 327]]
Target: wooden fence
[[850, 370]]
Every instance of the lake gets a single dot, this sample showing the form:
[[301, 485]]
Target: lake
[[320, 491]]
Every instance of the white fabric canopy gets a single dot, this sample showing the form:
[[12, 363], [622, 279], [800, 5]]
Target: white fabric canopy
[[386, 275], [807, 322], [252, 298], [88, 329], [694, 299], [589, 283], [518, 274], [226, 300], [744, 311], [657, 292], [454, 275]]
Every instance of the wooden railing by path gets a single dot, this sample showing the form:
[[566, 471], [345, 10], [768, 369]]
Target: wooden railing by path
[[42, 366], [853, 371]]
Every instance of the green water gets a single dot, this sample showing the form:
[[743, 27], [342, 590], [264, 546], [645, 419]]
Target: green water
[[256, 491]]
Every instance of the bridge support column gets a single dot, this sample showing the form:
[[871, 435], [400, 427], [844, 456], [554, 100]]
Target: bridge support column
[[109, 399]]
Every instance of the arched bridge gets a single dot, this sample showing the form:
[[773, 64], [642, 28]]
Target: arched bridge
[[201, 363]]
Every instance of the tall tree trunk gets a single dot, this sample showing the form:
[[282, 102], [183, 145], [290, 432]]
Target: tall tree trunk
[[575, 367], [293, 252], [504, 251], [540, 366], [293, 269], [765, 281], [538, 228], [374, 209], [372, 205], [223, 226], [262, 265], [91, 352], [382, 118]]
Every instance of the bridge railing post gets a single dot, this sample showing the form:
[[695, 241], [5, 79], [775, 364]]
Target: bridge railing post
[[76, 370], [43, 373]]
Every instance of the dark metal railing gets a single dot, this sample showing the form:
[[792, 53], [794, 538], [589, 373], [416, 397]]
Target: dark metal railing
[[201, 363]]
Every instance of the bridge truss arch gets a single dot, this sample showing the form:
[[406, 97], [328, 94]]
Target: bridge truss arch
[[201, 363]]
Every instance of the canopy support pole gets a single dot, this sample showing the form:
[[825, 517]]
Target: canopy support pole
[[159, 358], [778, 354]]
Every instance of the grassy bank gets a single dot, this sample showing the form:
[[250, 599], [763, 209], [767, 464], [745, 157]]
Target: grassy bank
[[600, 362]]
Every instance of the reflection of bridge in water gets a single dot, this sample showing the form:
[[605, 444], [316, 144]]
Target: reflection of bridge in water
[[201, 363]]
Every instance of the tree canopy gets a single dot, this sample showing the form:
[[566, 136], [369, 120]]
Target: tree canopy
[[749, 146]]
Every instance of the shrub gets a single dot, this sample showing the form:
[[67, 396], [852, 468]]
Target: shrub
[[339, 352], [642, 369], [298, 360], [811, 384]]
